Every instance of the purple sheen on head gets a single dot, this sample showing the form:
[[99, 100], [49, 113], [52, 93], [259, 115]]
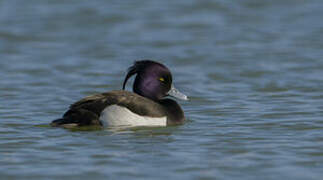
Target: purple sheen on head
[[147, 82], [147, 87]]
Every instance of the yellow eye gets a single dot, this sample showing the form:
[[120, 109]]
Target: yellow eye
[[161, 79]]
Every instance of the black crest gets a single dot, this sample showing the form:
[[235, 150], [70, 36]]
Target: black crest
[[137, 67]]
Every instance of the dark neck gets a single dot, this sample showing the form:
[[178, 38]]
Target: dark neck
[[173, 110]]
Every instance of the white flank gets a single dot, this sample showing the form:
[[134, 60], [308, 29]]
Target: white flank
[[115, 115]]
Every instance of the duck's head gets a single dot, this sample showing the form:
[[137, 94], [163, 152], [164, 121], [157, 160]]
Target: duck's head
[[153, 80]]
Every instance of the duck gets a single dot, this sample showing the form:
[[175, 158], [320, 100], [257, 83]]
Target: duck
[[148, 105]]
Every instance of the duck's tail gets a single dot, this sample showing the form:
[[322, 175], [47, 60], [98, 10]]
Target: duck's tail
[[58, 122], [77, 117]]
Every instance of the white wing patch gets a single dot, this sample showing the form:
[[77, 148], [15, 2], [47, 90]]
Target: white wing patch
[[115, 115]]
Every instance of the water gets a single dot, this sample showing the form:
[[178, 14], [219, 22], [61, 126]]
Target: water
[[252, 69]]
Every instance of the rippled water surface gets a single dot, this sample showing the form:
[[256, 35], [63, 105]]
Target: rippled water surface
[[253, 71]]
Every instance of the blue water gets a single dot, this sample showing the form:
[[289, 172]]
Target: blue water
[[253, 71]]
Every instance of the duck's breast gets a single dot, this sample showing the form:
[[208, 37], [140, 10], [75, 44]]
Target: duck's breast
[[115, 115]]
